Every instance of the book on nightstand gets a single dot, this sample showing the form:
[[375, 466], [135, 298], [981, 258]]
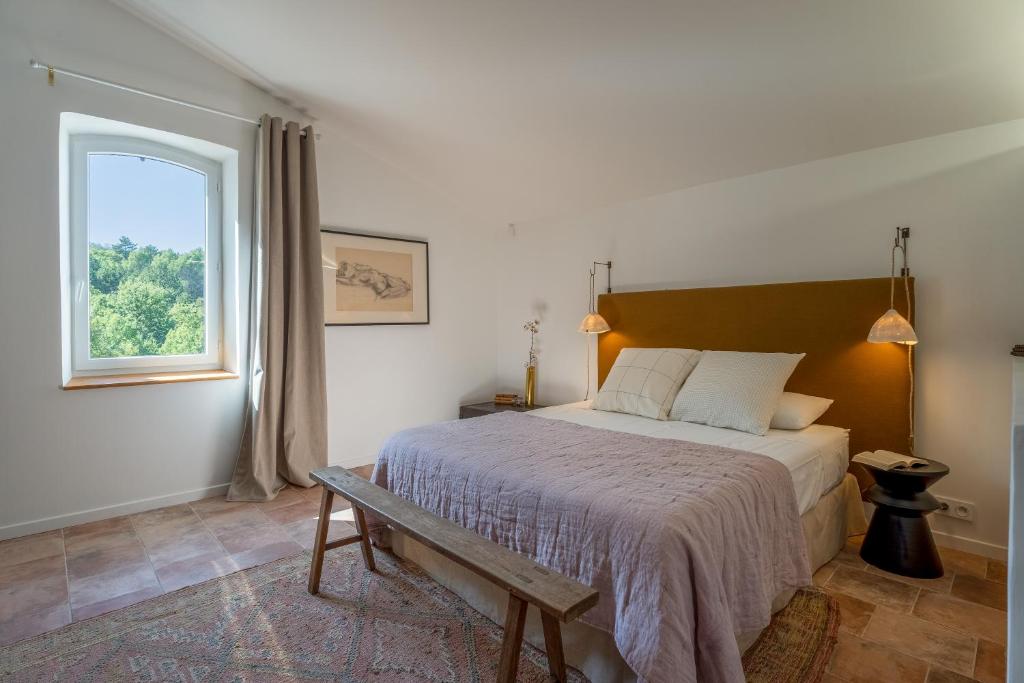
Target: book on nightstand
[[887, 460]]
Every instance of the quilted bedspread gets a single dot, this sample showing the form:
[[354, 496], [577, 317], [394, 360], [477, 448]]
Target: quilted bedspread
[[687, 543]]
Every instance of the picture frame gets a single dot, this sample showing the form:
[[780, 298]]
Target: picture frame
[[374, 280]]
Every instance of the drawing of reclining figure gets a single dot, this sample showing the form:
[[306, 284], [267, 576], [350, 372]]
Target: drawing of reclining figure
[[384, 286]]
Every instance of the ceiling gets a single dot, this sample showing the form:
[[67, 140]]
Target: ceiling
[[530, 108]]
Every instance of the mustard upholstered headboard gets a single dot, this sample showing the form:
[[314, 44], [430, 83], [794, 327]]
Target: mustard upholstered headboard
[[829, 321]]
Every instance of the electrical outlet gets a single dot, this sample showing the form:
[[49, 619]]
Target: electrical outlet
[[957, 509]]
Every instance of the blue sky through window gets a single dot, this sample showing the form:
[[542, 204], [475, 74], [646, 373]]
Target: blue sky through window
[[150, 201]]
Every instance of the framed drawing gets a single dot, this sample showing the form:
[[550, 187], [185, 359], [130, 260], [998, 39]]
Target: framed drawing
[[374, 280]]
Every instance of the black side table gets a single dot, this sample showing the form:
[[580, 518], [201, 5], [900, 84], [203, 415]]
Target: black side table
[[899, 539], [479, 409]]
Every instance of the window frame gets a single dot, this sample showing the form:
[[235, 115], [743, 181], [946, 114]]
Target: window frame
[[80, 146]]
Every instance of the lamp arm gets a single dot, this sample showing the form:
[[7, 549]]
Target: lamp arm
[[910, 349], [590, 295]]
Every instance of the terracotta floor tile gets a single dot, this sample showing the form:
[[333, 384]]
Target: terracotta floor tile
[[824, 573], [102, 553], [33, 623], [266, 553], [163, 517], [89, 540], [31, 587], [981, 591], [109, 585], [243, 529], [195, 570], [990, 664], [215, 504], [850, 556], [960, 562], [996, 571], [873, 588], [363, 471], [967, 617], [114, 525], [115, 602], [923, 639], [303, 532], [854, 613], [296, 512], [940, 585], [940, 675], [192, 543], [315, 493], [286, 496], [860, 661], [172, 539], [29, 548], [219, 514]]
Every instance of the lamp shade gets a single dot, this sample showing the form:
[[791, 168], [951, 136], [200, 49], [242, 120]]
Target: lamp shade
[[594, 324], [892, 327]]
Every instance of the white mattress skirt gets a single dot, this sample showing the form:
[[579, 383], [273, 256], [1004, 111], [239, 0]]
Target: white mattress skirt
[[837, 515]]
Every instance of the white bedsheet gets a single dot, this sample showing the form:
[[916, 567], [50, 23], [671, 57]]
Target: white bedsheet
[[816, 457]]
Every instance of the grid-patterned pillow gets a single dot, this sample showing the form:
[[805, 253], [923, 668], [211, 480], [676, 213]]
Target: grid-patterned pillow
[[645, 381], [735, 390]]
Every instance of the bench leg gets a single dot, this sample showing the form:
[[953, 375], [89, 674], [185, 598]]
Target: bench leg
[[364, 541], [515, 618], [553, 644], [317, 565]]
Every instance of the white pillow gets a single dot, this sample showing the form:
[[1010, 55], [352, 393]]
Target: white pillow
[[798, 411], [735, 389], [645, 381]]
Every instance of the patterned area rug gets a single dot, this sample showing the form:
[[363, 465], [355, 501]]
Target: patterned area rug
[[798, 643], [393, 626]]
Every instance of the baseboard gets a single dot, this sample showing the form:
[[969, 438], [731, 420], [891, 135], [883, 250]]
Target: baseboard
[[945, 539], [970, 545], [131, 507], [350, 462]]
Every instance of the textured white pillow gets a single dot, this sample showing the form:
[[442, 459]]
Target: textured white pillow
[[735, 390], [645, 381], [798, 411]]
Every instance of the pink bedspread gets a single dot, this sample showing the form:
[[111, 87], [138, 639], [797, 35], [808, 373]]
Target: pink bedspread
[[687, 543]]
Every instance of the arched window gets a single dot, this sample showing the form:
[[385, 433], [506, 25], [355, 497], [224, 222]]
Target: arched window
[[145, 256]]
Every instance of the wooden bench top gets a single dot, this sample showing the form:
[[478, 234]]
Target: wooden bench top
[[554, 593]]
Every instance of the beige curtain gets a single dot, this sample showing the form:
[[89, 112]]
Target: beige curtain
[[285, 433]]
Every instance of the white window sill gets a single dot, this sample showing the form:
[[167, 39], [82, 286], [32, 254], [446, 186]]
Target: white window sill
[[143, 378]]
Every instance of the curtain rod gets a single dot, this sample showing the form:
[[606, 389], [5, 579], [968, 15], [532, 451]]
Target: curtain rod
[[51, 70]]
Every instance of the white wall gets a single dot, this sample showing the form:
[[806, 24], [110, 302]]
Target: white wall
[[72, 456], [832, 219], [384, 378]]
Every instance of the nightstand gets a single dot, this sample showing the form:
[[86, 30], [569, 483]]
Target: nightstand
[[479, 409], [899, 539]]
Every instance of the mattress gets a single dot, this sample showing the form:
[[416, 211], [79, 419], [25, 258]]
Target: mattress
[[817, 457]]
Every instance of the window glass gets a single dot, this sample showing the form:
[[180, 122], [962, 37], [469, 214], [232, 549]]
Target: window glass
[[147, 238]]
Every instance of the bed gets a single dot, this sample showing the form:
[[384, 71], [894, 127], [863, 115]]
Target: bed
[[742, 515]]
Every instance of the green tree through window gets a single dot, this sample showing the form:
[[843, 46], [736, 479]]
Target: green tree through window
[[145, 302]]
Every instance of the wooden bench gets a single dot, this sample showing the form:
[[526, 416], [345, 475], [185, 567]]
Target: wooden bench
[[558, 597]]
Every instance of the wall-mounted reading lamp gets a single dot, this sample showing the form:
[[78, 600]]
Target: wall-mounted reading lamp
[[892, 326], [594, 322]]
